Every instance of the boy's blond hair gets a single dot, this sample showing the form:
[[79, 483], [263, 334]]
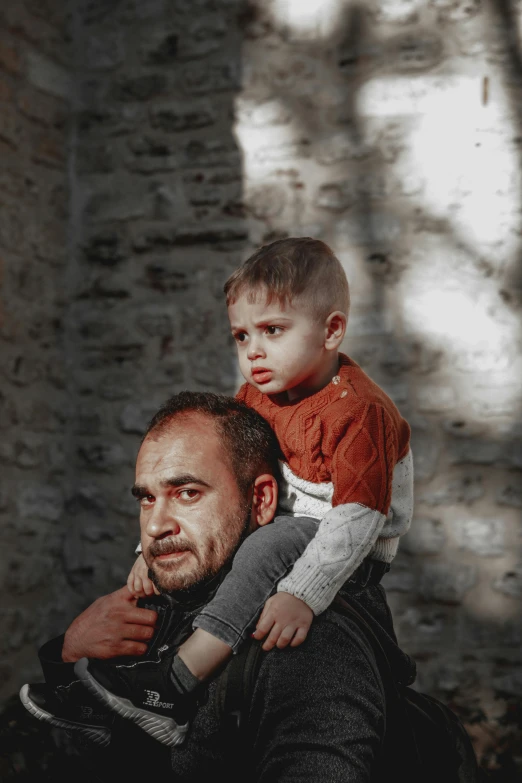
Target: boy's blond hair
[[297, 268]]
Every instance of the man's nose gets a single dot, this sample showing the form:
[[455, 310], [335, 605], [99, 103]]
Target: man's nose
[[255, 349], [160, 523]]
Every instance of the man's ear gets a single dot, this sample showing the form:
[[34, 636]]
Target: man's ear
[[264, 500], [335, 329]]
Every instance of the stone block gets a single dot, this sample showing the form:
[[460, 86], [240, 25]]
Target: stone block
[[456, 10], [211, 78], [335, 197], [484, 537], [436, 398], [476, 452], [213, 233], [369, 228], [104, 249], [510, 496], [48, 76], [164, 277], [45, 109], [447, 583], [413, 52], [12, 230], [22, 370], [463, 490], [118, 385], [202, 37], [27, 573], [140, 88], [202, 153], [135, 417], [104, 52], [103, 456], [9, 57], [266, 201], [14, 622], [425, 451], [177, 116], [38, 502], [510, 583], [9, 125], [425, 537], [8, 412], [398, 11], [162, 51], [154, 323], [400, 579]]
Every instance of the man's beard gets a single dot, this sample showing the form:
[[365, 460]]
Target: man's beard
[[171, 578]]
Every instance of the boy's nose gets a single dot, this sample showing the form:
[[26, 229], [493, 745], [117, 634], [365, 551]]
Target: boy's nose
[[255, 351]]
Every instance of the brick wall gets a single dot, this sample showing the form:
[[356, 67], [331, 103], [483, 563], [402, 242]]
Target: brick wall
[[193, 134]]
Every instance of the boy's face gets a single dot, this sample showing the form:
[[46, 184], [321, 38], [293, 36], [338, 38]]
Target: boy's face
[[281, 348]]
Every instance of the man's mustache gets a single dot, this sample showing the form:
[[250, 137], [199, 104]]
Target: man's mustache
[[168, 546]]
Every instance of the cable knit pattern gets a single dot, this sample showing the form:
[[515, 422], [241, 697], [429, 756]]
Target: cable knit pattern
[[348, 463]]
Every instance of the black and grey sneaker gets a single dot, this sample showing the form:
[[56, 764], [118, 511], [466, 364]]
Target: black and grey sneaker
[[143, 692], [69, 707]]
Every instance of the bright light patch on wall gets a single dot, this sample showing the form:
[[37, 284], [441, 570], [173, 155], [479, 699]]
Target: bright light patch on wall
[[307, 19]]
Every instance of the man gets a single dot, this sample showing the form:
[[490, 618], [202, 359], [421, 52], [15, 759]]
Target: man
[[205, 479]]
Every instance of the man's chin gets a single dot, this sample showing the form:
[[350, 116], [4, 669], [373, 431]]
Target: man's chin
[[173, 580]]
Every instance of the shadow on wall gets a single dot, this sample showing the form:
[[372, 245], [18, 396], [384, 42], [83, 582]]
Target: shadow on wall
[[374, 141]]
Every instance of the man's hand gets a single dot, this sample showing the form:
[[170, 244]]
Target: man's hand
[[138, 581], [286, 619], [113, 625]]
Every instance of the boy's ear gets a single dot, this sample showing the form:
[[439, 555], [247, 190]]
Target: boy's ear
[[264, 500], [335, 329]]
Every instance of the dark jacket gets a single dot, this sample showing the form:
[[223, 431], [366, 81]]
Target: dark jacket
[[317, 711]]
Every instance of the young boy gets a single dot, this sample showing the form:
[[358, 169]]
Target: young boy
[[347, 474]]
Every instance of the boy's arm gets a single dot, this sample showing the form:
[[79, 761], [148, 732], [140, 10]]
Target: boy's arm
[[362, 474]]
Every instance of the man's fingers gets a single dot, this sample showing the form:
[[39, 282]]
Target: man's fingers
[[138, 632], [139, 616], [125, 647]]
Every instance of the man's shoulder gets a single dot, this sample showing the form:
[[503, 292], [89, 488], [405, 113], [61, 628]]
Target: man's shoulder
[[334, 645]]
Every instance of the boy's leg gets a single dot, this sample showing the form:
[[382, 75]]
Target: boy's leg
[[261, 561], [162, 696]]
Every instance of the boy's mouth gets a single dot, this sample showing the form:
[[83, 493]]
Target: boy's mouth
[[261, 374]]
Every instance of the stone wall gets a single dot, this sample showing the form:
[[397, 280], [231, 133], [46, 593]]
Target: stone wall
[[34, 404], [196, 132]]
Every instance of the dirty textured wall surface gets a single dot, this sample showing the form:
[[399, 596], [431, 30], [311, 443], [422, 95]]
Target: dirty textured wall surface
[[148, 148]]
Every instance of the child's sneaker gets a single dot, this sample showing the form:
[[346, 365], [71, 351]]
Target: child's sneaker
[[69, 707], [143, 692]]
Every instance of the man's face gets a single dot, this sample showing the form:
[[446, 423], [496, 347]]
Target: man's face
[[192, 512], [281, 348]]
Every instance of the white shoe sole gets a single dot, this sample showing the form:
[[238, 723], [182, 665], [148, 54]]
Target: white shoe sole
[[162, 728], [97, 734]]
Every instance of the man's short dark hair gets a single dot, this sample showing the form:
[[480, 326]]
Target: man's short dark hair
[[248, 440]]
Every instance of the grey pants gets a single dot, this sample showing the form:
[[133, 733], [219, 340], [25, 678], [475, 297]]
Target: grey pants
[[264, 557]]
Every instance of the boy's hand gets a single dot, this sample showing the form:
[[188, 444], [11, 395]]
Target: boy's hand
[[286, 619], [138, 581]]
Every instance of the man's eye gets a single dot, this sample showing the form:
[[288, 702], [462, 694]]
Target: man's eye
[[146, 500], [274, 329], [188, 494]]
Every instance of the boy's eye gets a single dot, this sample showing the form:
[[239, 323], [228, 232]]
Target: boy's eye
[[240, 337], [273, 329]]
